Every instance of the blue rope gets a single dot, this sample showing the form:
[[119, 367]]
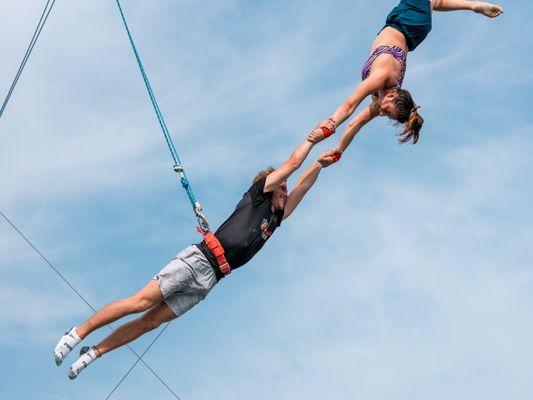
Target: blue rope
[[178, 167]]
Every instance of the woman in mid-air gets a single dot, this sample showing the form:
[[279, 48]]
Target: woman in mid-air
[[407, 26]]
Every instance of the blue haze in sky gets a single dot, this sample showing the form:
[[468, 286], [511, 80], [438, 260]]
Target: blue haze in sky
[[405, 274]]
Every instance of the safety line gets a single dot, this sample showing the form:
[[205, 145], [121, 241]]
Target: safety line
[[47, 261], [178, 166], [42, 21], [136, 362]]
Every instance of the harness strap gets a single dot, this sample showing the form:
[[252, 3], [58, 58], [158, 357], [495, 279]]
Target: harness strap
[[213, 244]]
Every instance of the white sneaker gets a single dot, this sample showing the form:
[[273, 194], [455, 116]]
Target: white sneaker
[[87, 356], [65, 345]]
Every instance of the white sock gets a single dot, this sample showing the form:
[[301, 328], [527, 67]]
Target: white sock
[[83, 362], [65, 345]]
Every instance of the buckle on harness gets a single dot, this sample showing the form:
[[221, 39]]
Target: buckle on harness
[[225, 268]]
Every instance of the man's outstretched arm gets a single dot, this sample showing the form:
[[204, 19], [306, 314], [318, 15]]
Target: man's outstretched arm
[[294, 162], [306, 182]]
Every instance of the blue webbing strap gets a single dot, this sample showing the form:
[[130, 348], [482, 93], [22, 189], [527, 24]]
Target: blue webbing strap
[[178, 167]]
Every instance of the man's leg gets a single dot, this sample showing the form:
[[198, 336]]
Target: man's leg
[[130, 331], [146, 298], [143, 300], [126, 333]]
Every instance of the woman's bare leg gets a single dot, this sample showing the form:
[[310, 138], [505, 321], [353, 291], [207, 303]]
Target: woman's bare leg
[[146, 298], [130, 331], [487, 9]]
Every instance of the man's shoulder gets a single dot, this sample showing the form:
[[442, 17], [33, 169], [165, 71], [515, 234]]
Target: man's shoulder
[[256, 192]]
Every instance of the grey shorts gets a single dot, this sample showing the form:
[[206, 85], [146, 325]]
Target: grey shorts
[[186, 280]]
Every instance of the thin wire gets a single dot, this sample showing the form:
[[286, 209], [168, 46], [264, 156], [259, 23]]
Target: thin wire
[[139, 358], [42, 21], [184, 180], [137, 361], [46, 260]]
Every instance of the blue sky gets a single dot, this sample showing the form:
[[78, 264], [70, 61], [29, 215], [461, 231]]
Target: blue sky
[[405, 274]]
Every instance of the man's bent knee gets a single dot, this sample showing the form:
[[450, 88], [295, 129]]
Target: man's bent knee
[[156, 316], [148, 297], [139, 304]]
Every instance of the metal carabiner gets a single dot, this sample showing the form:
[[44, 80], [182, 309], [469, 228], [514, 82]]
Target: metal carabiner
[[202, 220]]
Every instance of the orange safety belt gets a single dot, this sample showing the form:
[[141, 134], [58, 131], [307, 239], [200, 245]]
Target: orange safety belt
[[213, 244]]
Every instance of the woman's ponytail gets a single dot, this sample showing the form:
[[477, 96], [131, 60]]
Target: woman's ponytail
[[407, 114], [411, 131]]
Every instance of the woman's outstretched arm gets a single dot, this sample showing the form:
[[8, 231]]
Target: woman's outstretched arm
[[355, 125], [375, 82]]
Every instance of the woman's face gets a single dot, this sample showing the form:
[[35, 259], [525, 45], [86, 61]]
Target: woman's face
[[387, 104]]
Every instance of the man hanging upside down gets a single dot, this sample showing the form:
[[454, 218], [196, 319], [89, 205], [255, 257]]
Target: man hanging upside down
[[191, 275]]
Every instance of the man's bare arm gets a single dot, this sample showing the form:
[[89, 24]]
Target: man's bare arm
[[294, 162], [306, 182]]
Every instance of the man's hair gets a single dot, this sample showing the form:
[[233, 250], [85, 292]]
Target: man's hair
[[263, 174]]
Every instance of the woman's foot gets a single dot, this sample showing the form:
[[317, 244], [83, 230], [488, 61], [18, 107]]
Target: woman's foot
[[87, 356], [65, 345], [487, 9]]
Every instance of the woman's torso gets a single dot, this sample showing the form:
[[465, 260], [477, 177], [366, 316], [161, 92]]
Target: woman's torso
[[390, 37], [389, 52]]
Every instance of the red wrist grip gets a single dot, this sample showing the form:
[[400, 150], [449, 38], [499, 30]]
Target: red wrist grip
[[327, 132], [336, 157]]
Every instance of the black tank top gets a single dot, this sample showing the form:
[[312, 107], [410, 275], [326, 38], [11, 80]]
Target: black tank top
[[246, 231]]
